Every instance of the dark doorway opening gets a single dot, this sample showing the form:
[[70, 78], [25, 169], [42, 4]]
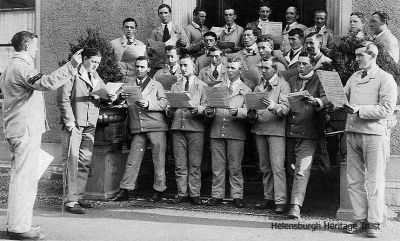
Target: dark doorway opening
[[247, 10]]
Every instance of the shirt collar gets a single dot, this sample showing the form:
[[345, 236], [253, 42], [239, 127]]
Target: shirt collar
[[232, 27], [321, 30], [384, 29], [292, 25], [169, 25], [195, 25], [371, 71], [262, 21], [25, 57], [235, 83], [219, 67], [125, 39]]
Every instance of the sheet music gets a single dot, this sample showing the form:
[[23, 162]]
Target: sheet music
[[253, 100], [333, 87], [296, 100], [109, 89], [131, 53], [167, 81], [135, 94], [217, 97], [178, 100], [274, 30]]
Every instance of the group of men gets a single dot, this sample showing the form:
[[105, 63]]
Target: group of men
[[286, 139]]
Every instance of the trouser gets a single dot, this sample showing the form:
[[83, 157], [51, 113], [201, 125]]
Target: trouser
[[24, 178], [366, 163], [271, 157], [135, 157], [77, 154], [188, 153], [227, 151], [298, 164]]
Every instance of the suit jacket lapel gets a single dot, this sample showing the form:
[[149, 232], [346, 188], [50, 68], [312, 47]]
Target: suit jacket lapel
[[85, 77]]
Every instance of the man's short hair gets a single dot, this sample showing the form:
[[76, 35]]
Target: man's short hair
[[129, 20], [20, 40], [197, 10], [230, 8], [383, 16], [274, 61], [361, 16], [266, 38], [90, 52], [315, 35], [187, 56], [305, 54], [256, 31], [370, 48], [143, 58], [215, 48], [321, 11], [295, 8], [264, 3], [235, 60], [164, 6], [171, 47], [212, 34], [297, 31]]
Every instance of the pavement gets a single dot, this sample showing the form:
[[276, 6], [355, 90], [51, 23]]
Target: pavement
[[138, 219]]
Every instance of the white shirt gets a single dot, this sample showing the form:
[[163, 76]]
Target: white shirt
[[234, 84]]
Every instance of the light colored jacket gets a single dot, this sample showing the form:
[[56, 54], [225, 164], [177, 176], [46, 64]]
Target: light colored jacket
[[23, 105], [326, 33], [272, 122], [225, 125], [118, 46], [376, 95], [157, 35], [152, 118], [389, 43], [235, 35], [183, 119], [195, 35], [75, 104], [206, 74]]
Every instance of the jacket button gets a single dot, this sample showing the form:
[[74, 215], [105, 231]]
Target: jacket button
[[222, 134]]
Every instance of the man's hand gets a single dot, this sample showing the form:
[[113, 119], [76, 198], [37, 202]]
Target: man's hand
[[124, 95], [268, 102], [76, 59], [310, 100], [252, 114], [70, 126], [112, 97], [193, 109], [233, 110], [209, 110], [142, 104], [351, 109]]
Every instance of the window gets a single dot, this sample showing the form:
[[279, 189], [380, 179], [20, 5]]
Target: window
[[15, 16]]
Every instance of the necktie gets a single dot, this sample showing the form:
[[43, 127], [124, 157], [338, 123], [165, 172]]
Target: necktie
[[187, 85], [248, 50], [230, 89], [291, 55], [171, 70], [130, 41], [363, 74], [287, 28], [229, 29], [90, 78], [267, 86], [166, 35], [215, 73]]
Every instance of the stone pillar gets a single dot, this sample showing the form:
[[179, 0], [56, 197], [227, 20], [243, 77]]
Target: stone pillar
[[181, 11]]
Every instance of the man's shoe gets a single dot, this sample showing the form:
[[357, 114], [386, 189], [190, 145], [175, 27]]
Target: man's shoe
[[213, 201], [238, 202], [76, 209], [31, 235], [196, 201], [265, 204], [122, 195], [156, 197], [280, 208], [294, 211], [373, 230], [357, 227], [85, 204], [179, 199]]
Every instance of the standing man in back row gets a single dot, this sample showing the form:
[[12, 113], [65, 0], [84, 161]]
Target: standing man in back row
[[167, 32], [24, 120], [195, 31], [292, 15]]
